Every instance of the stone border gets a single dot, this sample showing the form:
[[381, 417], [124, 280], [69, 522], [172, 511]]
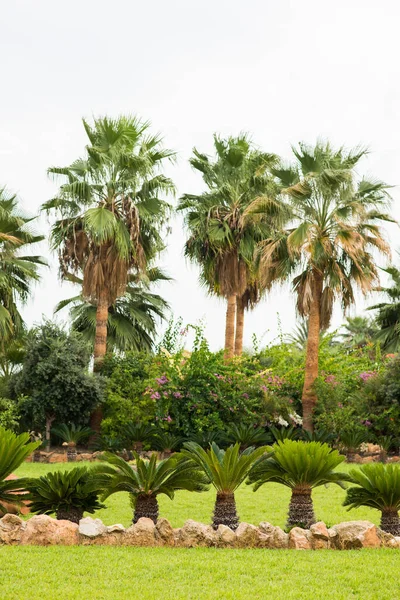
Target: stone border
[[42, 530]]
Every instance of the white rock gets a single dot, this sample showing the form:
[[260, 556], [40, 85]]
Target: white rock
[[92, 527], [116, 527]]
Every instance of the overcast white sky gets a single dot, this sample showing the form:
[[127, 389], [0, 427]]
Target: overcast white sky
[[284, 71]]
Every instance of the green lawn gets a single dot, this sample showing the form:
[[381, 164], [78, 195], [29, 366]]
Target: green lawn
[[106, 573]]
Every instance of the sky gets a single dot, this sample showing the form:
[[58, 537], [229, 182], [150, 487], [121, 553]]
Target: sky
[[284, 71]]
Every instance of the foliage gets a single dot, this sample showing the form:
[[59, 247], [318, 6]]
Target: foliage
[[358, 332], [55, 369], [17, 270], [298, 463], [246, 435], [9, 414], [72, 433], [64, 492], [135, 432], [225, 469], [14, 449], [378, 486], [388, 315]]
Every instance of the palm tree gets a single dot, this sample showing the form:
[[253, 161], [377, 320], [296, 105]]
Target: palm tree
[[333, 231], [17, 270], [358, 332], [388, 316], [378, 486], [225, 470], [110, 213], [222, 236], [132, 319], [147, 480], [300, 466], [14, 449]]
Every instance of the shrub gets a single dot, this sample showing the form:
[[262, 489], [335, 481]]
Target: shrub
[[378, 486], [68, 494]]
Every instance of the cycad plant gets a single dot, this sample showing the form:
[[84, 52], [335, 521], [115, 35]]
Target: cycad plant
[[68, 494], [351, 442], [246, 435], [147, 480], [71, 435], [225, 470], [280, 434], [300, 466], [14, 449], [166, 442], [137, 434], [378, 486]]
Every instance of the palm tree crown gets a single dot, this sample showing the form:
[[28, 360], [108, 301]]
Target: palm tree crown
[[17, 270], [147, 480], [222, 237], [328, 247], [388, 315]]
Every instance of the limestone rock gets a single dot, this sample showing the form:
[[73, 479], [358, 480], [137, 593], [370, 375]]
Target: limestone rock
[[225, 536], [42, 530], [194, 534], [319, 536], [164, 532], [11, 528], [143, 533], [56, 457], [91, 527], [299, 539], [86, 456], [115, 528], [354, 534], [247, 536]]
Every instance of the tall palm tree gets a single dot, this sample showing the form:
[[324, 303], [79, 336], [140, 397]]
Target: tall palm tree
[[110, 211], [388, 315], [328, 247], [17, 270], [222, 236], [132, 319]]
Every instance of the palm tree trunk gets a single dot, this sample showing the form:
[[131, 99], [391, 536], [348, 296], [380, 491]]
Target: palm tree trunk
[[230, 327], [390, 521], [73, 514], [301, 510], [239, 326], [309, 397], [146, 506], [225, 511], [100, 349]]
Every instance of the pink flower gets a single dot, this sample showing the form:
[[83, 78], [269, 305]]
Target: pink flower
[[367, 375], [155, 396], [162, 380], [177, 395]]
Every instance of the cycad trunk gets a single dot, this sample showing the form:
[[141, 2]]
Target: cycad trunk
[[225, 511], [301, 510], [72, 514], [239, 326], [309, 397], [100, 349], [230, 327], [146, 506], [390, 521]]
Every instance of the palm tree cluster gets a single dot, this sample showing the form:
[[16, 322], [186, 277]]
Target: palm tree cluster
[[258, 222], [299, 465]]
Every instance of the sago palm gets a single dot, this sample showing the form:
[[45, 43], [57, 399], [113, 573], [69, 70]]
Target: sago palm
[[226, 470], [378, 486], [222, 239], [110, 209], [145, 481], [68, 494], [18, 270], [300, 466], [72, 435], [328, 247], [14, 449], [132, 319]]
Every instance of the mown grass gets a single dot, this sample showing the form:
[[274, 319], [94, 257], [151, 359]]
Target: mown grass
[[269, 503], [105, 573]]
